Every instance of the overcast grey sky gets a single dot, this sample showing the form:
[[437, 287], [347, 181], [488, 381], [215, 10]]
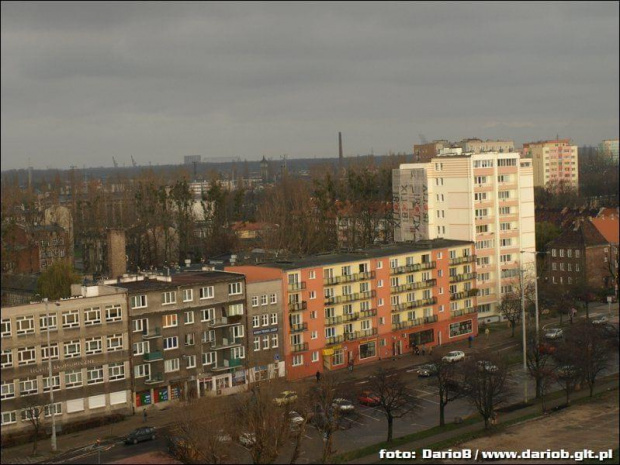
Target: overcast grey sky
[[82, 82]]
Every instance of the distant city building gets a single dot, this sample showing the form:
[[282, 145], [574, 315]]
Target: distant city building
[[424, 152], [609, 148], [481, 146], [487, 198], [555, 162], [190, 159]]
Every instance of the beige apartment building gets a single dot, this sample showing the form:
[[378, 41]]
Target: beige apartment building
[[89, 352], [487, 198], [555, 162], [481, 146]]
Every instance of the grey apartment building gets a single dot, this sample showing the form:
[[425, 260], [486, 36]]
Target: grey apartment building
[[187, 335], [89, 350]]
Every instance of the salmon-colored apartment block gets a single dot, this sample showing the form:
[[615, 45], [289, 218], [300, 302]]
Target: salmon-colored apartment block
[[347, 309]]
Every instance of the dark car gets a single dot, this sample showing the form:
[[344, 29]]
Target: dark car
[[428, 370], [145, 433]]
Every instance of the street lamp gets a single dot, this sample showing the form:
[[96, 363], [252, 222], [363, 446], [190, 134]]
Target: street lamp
[[50, 374], [535, 288]]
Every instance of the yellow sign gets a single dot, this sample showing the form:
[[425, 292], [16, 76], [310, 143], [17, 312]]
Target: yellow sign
[[328, 352]]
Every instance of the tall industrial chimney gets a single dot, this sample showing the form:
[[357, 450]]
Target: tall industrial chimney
[[340, 148]]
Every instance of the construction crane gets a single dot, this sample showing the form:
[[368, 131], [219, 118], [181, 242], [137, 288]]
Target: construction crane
[[114, 161], [133, 162]]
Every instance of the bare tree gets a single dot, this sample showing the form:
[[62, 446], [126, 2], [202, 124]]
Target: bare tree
[[303, 405], [539, 364], [396, 398], [567, 373], [485, 383], [510, 308], [447, 384], [32, 412]]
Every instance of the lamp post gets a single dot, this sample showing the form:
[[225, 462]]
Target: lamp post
[[49, 367], [521, 271], [535, 289]]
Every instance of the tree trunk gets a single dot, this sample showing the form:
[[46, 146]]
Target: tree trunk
[[591, 388], [512, 326], [390, 419], [442, 413], [538, 386], [327, 449]]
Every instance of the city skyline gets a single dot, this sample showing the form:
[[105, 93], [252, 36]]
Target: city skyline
[[82, 83]]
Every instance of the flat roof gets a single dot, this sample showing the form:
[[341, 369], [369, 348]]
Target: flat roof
[[375, 252], [180, 279]]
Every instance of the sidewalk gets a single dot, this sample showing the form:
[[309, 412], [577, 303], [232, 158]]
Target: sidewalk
[[160, 418]]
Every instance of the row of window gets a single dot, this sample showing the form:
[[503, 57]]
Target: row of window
[[72, 379], [28, 414], [569, 253], [273, 299], [190, 361], [25, 324], [266, 339], [172, 319], [170, 297], [264, 320], [70, 349], [569, 266]]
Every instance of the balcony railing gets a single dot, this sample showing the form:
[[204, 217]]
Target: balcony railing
[[335, 320], [414, 304], [464, 311], [152, 334], [292, 287], [417, 322], [298, 327], [459, 260], [360, 334], [232, 362], [464, 294], [362, 276], [297, 306], [222, 321], [414, 286], [413, 268], [350, 297], [153, 356], [226, 343], [368, 313], [154, 379], [462, 277], [299, 347], [334, 340]]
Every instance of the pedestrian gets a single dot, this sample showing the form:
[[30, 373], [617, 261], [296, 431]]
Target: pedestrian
[[470, 339], [414, 347], [417, 350], [486, 332], [318, 376], [430, 351], [144, 415], [423, 349]]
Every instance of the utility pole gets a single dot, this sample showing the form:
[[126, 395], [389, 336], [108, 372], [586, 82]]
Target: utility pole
[[51, 381], [521, 271]]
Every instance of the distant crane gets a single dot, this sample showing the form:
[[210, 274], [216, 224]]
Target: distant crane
[[133, 162], [114, 161]]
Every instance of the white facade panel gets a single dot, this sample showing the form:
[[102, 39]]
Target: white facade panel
[[119, 397], [96, 401], [75, 405]]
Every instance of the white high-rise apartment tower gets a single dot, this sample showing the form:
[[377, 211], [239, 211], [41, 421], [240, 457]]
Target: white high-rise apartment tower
[[487, 198]]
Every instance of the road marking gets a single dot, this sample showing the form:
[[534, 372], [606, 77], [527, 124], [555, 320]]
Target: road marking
[[362, 382], [425, 392], [413, 369], [355, 421], [428, 400], [369, 416]]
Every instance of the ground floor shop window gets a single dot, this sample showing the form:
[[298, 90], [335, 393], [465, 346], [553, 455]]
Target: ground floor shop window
[[368, 350], [421, 337], [463, 327]]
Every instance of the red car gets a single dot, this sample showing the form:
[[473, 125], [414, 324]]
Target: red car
[[546, 348], [368, 398]]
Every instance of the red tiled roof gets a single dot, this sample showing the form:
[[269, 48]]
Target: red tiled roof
[[608, 227]]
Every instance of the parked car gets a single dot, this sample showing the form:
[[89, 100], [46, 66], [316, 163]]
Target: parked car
[[343, 405], [247, 439], [554, 333], [286, 397], [368, 398], [296, 420], [546, 348], [600, 320], [566, 371], [485, 365], [145, 433], [454, 356], [427, 370]]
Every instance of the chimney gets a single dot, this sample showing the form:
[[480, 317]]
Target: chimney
[[340, 148], [117, 258]]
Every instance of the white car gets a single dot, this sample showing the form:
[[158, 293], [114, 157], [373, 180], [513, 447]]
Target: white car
[[343, 405], [599, 320], [554, 333], [454, 356], [286, 397], [485, 365]]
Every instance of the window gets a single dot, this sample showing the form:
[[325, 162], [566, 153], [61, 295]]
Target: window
[[113, 313], [188, 317], [94, 375], [505, 258], [116, 371], [26, 356], [238, 352], [50, 319], [314, 335], [480, 196], [73, 378], [207, 314], [393, 262], [93, 346], [263, 299], [7, 390], [238, 331], [274, 318], [190, 361], [255, 301], [171, 343], [142, 371], [576, 266], [53, 383], [140, 348], [265, 319], [235, 309], [170, 320], [569, 253], [315, 356], [553, 252], [7, 358], [189, 339], [482, 212], [187, 295], [480, 179], [380, 283], [206, 292], [72, 349], [312, 295], [208, 336], [347, 290], [92, 316], [505, 210], [171, 365], [312, 275], [298, 360], [562, 253], [6, 328], [274, 341], [273, 299], [255, 321], [503, 195], [115, 342], [313, 315], [138, 301], [561, 266], [554, 266], [71, 319], [24, 324], [168, 298], [209, 358], [256, 343], [139, 325], [50, 351], [330, 332], [55, 409], [265, 342], [379, 265], [483, 228], [577, 253], [235, 288], [28, 386], [8, 417], [380, 302]]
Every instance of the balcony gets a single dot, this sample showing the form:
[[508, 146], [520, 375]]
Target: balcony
[[462, 277], [334, 340], [464, 294], [299, 347], [459, 260], [300, 286], [154, 333], [413, 268], [221, 322], [297, 306], [155, 379], [414, 304], [465, 311], [417, 322], [368, 313], [362, 276], [153, 356], [335, 320], [360, 334], [226, 343], [299, 327], [350, 297], [414, 286], [231, 363]]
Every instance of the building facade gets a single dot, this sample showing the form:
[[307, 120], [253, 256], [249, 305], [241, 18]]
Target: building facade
[[343, 310], [481, 146], [424, 152], [609, 148], [486, 198], [89, 349], [555, 163]]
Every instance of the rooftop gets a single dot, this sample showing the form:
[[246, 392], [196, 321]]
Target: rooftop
[[178, 279]]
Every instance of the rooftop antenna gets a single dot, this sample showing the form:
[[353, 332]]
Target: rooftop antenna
[[115, 163], [133, 162]]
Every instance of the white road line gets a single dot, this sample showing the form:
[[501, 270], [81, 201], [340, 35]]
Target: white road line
[[431, 401], [425, 392], [355, 421], [413, 369], [362, 382], [369, 416]]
